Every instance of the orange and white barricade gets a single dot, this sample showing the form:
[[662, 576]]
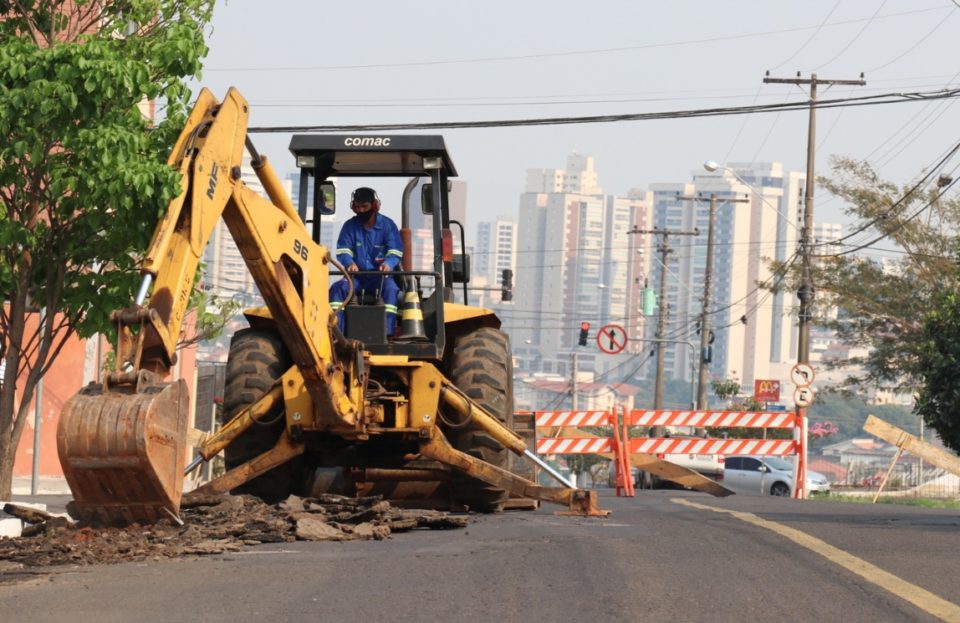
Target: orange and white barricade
[[576, 441], [724, 419]]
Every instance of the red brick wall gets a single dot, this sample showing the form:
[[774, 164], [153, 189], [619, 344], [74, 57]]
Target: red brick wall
[[64, 380]]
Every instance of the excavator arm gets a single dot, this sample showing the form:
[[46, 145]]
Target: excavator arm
[[122, 443]]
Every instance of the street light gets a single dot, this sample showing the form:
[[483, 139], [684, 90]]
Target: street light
[[804, 293], [710, 167]]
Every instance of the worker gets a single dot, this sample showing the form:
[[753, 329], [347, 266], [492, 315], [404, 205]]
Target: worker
[[368, 241]]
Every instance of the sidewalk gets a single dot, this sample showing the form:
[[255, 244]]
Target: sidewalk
[[53, 494], [46, 485]]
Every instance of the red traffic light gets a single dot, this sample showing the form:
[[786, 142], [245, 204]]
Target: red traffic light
[[584, 326]]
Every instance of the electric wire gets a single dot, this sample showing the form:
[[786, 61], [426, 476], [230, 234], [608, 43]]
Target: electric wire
[[931, 171], [935, 28], [813, 35], [903, 223], [865, 100], [569, 53], [855, 37]]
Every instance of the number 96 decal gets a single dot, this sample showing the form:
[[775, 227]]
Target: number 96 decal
[[300, 249]]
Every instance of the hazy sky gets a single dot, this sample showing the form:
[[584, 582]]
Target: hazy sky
[[390, 62]]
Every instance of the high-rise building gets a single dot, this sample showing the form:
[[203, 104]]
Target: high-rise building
[[576, 263], [494, 250], [225, 273], [825, 237], [754, 329]]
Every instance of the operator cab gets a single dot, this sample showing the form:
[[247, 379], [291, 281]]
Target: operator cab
[[424, 161]]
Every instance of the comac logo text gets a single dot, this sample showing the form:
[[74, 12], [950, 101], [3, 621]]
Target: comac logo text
[[367, 141]]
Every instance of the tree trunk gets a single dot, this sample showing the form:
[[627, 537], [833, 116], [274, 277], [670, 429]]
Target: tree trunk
[[7, 452], [13, 416]]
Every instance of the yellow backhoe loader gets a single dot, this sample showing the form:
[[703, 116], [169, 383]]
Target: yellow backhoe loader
[[433, 404]]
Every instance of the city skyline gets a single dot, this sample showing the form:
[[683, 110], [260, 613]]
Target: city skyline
[[644, 58], [579, 255]]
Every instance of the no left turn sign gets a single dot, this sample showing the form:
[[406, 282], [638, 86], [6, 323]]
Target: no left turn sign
[[612, 339]]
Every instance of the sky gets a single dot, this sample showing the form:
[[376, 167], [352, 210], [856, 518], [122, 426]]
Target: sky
[[368, 62]]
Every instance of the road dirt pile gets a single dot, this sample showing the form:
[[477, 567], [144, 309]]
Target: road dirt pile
[[210, 525]]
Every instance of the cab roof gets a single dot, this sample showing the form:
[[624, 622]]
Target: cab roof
[[370, 155]]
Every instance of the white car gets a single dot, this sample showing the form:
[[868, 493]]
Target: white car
[[768, 476]]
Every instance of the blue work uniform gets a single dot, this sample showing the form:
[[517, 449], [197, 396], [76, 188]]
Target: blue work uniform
[[368, 248]]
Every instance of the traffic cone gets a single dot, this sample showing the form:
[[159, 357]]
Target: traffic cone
[[411, 319]]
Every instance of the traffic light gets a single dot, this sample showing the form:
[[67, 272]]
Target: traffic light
[[584, 333], [506, 285], [649, 301]]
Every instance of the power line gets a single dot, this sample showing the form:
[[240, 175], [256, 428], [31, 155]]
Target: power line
[[914, 46], [568, 53], [866, 100], [886, 234], [855, 37], [931, 171]]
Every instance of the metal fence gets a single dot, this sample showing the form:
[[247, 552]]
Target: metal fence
[[910, 477]]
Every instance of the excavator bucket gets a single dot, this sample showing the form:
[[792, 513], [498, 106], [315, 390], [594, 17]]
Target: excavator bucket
[[123, 450]]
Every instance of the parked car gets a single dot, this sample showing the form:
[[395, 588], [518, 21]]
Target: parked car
[[768, 476], [710, 465]]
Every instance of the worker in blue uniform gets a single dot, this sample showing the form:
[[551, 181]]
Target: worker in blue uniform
[[369, 241]]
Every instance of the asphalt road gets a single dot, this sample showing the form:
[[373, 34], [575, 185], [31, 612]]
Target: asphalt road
[[662, 556]]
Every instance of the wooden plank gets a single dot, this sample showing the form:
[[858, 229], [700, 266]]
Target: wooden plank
[[664, 469], [902, 439]]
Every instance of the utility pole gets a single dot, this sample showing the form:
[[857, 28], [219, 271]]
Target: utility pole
[[704, 370], [806, 291], [662, 314], [574, 400]]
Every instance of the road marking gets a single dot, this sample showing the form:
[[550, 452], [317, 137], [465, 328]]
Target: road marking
[[919, 597]]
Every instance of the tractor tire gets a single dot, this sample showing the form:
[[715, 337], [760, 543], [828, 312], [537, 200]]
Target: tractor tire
[[256, 360], [483, 370]]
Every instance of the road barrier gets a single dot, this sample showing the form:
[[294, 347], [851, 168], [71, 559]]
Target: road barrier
[[619, 444], [614, 444], [725, 419]]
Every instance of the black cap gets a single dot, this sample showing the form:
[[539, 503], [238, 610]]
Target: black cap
[[364, 195]]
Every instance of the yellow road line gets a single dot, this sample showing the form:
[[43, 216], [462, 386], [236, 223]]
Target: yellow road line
[[919, 597]]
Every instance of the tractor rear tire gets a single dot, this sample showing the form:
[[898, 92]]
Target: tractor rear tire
[[483, 370], [257, 359]]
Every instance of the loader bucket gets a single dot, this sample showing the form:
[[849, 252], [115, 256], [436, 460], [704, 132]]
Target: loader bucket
[[123, 451]]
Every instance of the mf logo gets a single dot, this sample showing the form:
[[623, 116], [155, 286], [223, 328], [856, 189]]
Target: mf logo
[[212, 184]]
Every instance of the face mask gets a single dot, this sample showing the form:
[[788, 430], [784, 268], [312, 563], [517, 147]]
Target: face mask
[[369, 217]]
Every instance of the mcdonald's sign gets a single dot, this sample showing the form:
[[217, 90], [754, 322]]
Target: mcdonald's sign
[[766, 390]]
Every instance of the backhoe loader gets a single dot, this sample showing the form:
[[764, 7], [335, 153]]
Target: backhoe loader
[[432, 403]]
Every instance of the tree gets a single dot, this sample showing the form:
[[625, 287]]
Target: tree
[[729, 390], [83, 176], [881, 304], [938, 367]]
